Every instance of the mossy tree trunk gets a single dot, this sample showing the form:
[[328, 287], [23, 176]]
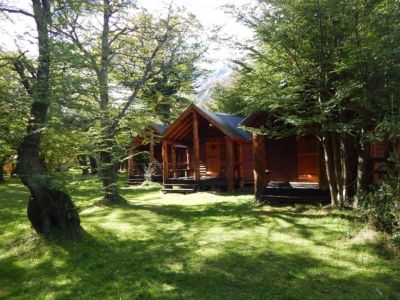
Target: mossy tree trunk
[[108, 171], [49, 209]]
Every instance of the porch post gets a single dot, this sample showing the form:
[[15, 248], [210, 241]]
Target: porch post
[[130, 163], [187, 162], [173, 160], [196, 147], [165, 161], [241, 165], [259, 156], [230, 162], [152, 146]]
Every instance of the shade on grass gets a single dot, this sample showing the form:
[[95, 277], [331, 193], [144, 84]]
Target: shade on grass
[[198, 246]]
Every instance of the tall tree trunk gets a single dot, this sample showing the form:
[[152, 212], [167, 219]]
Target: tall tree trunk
[[109, 179], [344, 168], [329, 166], [108, 170], [362, 164], [83, 164], [340, 167], [49, 209], [93, 165]]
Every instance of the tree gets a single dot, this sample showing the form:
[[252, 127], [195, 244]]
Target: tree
[[322, 68], [228, 98], [166, 94], [49, 208], [121, 56]]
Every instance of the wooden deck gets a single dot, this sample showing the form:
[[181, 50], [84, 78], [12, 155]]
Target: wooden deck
[[139, 179], [189, 184], [289, 193]]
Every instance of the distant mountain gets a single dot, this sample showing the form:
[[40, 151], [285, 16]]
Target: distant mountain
[[221, 76]]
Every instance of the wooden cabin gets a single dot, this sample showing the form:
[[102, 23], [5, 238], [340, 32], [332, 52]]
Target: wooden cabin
[[297, 162], [206, 149], [146, 150]]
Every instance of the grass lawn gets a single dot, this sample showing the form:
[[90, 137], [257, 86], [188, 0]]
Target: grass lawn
[[199, 246]]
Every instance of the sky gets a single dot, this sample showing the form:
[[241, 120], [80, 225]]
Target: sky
[[209, 12]]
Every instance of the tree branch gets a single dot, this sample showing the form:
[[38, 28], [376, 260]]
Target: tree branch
[[16, 11]]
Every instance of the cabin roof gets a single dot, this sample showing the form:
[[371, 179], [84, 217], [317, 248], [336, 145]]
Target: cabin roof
[[255, 120], [159, 128], [227, 124]]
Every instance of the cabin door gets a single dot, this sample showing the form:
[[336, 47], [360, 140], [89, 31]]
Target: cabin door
[[307, 159], [213, 158]]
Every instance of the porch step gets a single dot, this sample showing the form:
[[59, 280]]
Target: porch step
[[184, 188], [179, 184], [183, 191], [137, 180]]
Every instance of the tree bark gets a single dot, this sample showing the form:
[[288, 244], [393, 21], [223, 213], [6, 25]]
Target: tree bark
[[330, 172], [49, 209], [344, 169], [93, 165], [108, 170], [109, 178], [362, 163]]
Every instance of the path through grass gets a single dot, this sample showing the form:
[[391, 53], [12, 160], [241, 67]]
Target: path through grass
[[199, 246]]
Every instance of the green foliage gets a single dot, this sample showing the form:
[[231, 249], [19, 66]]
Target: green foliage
[[316, 61], [175, 66], [199, 246], [228, 99], [14, 108], [382, 205]]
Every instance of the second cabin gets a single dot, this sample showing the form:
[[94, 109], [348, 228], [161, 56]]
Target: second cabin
[[144, 153], [206, 149], [294, 167]]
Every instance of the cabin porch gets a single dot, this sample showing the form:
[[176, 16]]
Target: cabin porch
[[218, 165], [200, 151]]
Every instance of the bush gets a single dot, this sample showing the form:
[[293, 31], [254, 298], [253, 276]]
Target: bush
[[382, 205]]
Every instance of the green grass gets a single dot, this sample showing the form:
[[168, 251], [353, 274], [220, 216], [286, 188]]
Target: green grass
[[199, 246]]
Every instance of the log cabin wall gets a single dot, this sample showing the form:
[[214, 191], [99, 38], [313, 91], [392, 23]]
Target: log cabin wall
[[246, 165], [293, 159], [282, 159], [307, 159]]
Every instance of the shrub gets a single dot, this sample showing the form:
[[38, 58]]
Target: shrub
[[153, 168], [382, 205]]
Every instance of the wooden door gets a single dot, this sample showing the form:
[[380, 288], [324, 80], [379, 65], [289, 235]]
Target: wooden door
[[213, 158], [307, 159]]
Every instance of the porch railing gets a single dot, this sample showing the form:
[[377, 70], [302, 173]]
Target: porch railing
[[183, 169], [140, 169]]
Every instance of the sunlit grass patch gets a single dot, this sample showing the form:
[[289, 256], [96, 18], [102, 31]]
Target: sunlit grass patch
[[195, 246]]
